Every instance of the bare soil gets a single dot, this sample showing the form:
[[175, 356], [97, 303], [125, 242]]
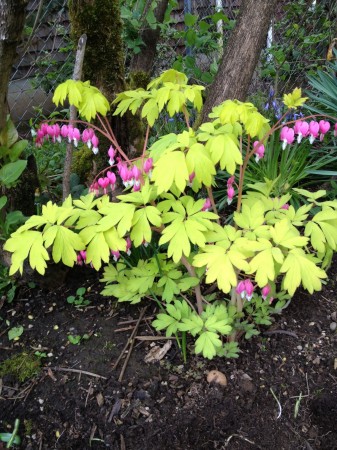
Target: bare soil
[[75, 401]]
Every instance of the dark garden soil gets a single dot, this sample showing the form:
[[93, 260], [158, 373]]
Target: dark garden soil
[[75, 401]]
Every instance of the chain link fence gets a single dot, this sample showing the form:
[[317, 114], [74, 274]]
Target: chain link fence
[[45, 58], [192, 41]]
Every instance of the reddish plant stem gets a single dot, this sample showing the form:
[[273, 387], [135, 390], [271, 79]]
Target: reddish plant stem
[[210, 196]]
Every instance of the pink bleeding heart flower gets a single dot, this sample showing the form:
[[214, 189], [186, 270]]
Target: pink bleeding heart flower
[[313, 131], [287, 136], [301, 128], [111, 177], [259, 150], [111, 154], [285, 206], [230, 181], [94, 188], [207, 205], [123, 173], [324, 127], [148, 165], [249, 287], [241, 289], [265, 291], [128, 246], [136, 186], [56, 133], [76, 136], [136, 173], [103, 183], [116, 255], [64, 131], [95, 142], [230, 194]]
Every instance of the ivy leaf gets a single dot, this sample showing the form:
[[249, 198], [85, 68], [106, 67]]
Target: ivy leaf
[[207, 344], [300, 267]]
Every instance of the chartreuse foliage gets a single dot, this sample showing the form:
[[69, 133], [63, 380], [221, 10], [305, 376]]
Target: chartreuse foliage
[[265, 243]]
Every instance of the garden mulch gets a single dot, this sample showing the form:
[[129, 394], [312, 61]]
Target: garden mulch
[[281, 392]]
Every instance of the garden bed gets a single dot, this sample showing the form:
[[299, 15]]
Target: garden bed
[[281, 392]]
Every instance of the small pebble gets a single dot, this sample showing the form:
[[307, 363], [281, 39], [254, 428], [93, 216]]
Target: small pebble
[[299, 347], [215, 376], [333, 326]]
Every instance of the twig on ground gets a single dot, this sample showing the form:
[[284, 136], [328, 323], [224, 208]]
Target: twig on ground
[[131, 342], [123, 446], [84, 372], [88, 393], [278, 403], [241, 437], [288, 333], [152, 338], [128, 322]]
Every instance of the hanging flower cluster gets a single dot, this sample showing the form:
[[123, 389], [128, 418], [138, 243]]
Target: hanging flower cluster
[[130, 175], [73, 134], [245, 289], [302, 129]]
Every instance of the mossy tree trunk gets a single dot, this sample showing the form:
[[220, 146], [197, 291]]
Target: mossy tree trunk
[[12, 17], [104, 57]]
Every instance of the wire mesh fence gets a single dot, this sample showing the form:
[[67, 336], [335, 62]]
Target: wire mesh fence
[[192, 41], [45, 58]]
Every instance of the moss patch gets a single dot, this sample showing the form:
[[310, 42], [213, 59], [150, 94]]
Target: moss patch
[[22, 366]]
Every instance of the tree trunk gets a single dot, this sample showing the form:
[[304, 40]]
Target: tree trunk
[[241, 54], [104, 55], [12, 17], [144, 61]]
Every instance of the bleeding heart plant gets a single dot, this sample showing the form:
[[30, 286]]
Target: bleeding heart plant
[[164, 239]]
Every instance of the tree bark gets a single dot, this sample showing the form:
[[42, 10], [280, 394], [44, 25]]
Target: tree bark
[[143, 61], [241, 54], [104, 56], [12, 17]]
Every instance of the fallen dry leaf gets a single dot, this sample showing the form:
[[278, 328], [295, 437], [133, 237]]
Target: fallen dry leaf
[[157, 353]]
